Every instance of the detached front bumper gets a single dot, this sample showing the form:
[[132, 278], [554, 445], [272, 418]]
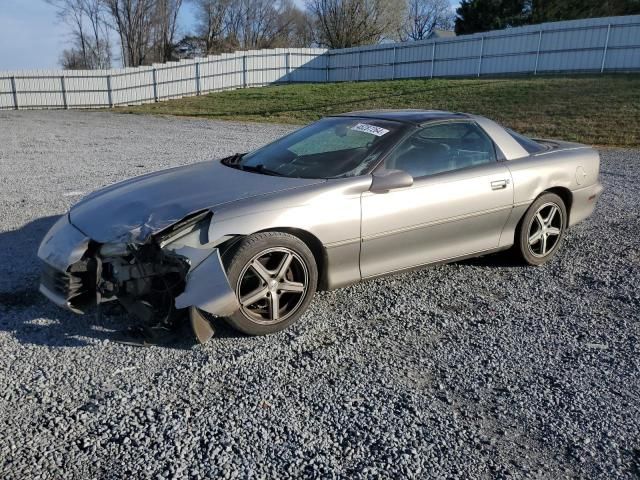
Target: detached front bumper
[[73, 269], [62, 247]]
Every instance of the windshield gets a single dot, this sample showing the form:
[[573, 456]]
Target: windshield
[[330, 148]]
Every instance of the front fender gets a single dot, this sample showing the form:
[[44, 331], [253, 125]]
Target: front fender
[[63, 245], [208, 289]]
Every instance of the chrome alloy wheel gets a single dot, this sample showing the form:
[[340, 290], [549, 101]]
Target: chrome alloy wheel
[[272, 285], [545, 229]]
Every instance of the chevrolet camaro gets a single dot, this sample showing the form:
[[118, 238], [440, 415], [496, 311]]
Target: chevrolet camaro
[[251, 237]]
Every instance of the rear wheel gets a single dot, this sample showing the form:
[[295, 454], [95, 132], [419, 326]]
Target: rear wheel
[[274, 276], [542, 229]]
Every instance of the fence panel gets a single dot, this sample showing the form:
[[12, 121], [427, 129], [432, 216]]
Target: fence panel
[[458, 59], [83, 90], [307, 65], [6, 93], [376, 64], [343, 66], [623, 52], [592, 45], [130, 86], [263, 69], [39, 90], [175, 79], [414, 60]]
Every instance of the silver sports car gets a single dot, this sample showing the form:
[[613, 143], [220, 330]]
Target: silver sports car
[[251, 237]]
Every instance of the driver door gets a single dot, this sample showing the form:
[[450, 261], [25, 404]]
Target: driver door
[[458, 204]]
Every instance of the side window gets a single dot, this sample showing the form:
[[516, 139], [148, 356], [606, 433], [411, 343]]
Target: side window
[[443, 148]]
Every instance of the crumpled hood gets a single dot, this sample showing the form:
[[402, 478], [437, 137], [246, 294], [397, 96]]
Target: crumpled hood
[[133, 210]]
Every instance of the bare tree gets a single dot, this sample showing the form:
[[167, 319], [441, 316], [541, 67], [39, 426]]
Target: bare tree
[[131, 19], [147, 29], [424, 16], [259, 23], [73, 59], [212, 24], [91, 47], [164, 26], [299, 28], [349, 23], [226, 25], [101, 45]]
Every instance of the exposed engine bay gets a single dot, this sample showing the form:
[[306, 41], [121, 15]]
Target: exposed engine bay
[[145, 279], [148, 279]]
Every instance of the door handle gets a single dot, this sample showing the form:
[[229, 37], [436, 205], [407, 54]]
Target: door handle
[[499, 184]]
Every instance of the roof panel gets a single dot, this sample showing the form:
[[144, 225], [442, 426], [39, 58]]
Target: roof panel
[[407, 116]]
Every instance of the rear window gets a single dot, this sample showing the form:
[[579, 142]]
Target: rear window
[[529, 145]]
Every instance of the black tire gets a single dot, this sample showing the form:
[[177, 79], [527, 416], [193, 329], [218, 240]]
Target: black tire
[[549, 237], [270, 249]]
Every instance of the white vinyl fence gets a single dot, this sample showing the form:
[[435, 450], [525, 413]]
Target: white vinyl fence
[[594, 45]]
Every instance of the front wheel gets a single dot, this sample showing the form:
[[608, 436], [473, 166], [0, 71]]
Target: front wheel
[[542, 229], [274, 276]]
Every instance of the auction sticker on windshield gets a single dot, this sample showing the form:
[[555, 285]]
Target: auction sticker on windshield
[[372, 129]]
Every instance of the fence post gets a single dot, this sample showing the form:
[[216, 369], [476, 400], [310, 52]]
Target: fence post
[[535, 69], [244, 71], [480, 59], [606, 46], [287, 62], [433, 59], [197, 64], [393, 65], [359, 63], [109, 93], [155, 84], [15, 93], [64, 92], [327, 65]]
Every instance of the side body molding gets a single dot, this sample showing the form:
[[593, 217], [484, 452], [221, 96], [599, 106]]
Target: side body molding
[[208, 288]]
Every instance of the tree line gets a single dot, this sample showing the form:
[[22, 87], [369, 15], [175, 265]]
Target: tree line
[[142, 32], [474, 16]]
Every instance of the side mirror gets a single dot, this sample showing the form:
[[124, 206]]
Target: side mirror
[[386, 180]]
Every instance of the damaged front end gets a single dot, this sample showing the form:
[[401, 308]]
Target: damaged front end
[[152, 277]]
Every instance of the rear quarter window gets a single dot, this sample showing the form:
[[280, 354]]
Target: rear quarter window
[[531, 146]]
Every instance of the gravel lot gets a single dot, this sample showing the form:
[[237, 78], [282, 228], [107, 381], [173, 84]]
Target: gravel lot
[[475, 369]]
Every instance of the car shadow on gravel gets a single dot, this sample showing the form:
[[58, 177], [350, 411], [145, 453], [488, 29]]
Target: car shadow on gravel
[[32, 320], [504, 259], [19, 264]]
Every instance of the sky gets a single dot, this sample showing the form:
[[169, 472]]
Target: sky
[[32, 37]]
